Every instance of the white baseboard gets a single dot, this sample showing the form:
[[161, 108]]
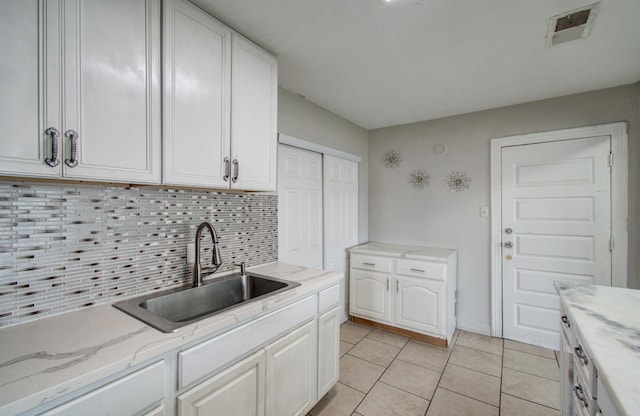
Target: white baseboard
[[476, 327]]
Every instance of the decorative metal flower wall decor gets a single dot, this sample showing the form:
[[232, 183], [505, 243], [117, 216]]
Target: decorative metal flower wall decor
[[392, 159], [458, 181], [419, 179]]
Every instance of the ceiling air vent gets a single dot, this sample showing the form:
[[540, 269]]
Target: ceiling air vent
[[572, 25]]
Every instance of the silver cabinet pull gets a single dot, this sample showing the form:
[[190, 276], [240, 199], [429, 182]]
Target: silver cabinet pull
[[53, 161], [397, 286], [236, 170], [565, 320], [369, 264], [387, 284], [73, 136], [418, 270], [227, 169], [577, 389], [581, 355]]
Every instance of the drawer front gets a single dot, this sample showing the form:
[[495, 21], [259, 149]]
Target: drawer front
[[373, 263], [196, 362], [565, 324], [427, 269], [583, 402], [117, 398], [328, 298]]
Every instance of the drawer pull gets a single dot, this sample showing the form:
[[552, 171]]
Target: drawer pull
[[418, 270], [577, 389], [387, 284], [581, 355], [369, 264], [565, 321], [73, 137], [53, 161]]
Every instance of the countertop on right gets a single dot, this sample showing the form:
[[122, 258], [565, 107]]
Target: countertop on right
[[608, 320]]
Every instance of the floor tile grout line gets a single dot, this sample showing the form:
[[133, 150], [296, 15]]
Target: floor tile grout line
[[528, 373], [530, 401], [442, 373]]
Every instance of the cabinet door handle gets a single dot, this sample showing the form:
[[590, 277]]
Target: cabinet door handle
[[53, 161], [565, 320], [369, 264], [581, 355], [387, 284], [73, 136], [397, 286], [227, 169], [236, 170], [418, 270], [579, 392]]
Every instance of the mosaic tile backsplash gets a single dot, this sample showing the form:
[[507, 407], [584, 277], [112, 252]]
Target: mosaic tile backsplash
[[64, 247]]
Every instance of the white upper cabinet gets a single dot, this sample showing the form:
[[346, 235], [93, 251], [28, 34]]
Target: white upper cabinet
[[254, 104], [196, 76], [220, 104], [82, 88]]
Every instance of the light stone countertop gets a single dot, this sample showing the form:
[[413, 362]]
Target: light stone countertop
[[47, 358], [608, 322], [406, 252]]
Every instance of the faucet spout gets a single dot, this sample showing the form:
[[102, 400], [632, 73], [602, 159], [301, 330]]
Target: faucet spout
[[216, 259]]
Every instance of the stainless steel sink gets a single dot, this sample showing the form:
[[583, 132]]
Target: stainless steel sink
[[171, 309]]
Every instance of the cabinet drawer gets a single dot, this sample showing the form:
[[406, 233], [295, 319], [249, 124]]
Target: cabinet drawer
[[426, 269], [583, 366], [117, 398], [205, 358], [328, 298], [565, 324], [584, 403], [378, 264]]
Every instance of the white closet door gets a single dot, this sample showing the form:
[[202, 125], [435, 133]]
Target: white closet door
[[299, 206], [340, 217]]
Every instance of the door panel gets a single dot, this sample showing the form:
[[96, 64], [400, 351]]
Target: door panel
[[340, 217], [369, 296], [419, 304], [299, 207], [556, 202]]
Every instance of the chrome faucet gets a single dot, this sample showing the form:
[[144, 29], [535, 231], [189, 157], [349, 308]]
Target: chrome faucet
[[216, 260]]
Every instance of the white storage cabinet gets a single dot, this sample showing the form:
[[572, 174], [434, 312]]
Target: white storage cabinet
[[416, 293], [220, 104], [79, 99]]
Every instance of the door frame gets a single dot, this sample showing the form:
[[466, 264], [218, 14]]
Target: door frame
[[619, 203]]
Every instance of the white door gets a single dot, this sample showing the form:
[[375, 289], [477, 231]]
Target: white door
[[340, 217], [254, 106], [299, 207], [112, 90], [197, 88], [556, 226]]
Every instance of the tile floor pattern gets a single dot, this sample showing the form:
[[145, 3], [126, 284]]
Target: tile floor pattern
[[383, 374]]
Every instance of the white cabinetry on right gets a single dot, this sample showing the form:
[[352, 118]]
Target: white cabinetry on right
[[220, 104], [415, 294]]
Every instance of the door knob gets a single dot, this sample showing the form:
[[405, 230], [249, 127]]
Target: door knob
[[508, 244]]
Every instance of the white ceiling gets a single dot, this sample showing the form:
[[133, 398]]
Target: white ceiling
[[382, 64]]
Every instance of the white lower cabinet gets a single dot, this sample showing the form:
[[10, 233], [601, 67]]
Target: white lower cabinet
[[238, 390], [408, 287], [292, 373]]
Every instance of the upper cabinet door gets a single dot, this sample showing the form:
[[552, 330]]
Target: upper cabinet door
[[112, 90], [29, 88], [254, 86], [196, 75]]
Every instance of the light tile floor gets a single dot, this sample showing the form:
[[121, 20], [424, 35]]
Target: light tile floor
[[383, 374]]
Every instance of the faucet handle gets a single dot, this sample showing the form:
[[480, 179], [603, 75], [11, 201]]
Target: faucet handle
[[243, 268]]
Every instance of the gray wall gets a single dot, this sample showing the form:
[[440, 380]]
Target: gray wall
[[435, 216], [304, 120]]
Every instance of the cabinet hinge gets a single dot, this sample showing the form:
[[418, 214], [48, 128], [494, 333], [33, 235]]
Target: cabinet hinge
[[610, 159], [611, 245]]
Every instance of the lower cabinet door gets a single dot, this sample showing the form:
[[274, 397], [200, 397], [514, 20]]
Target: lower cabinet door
[[328, 350], [419, 305], [292, 373], [369, 295], [238, 390]]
